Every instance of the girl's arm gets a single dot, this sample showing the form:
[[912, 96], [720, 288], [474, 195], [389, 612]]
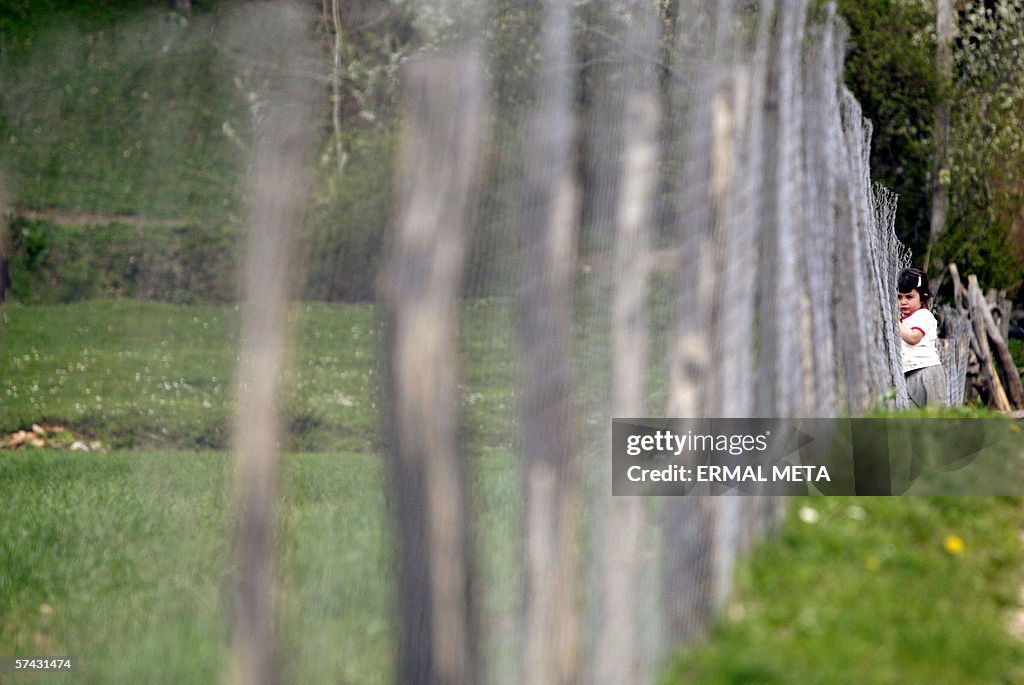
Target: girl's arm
[[911, 336]]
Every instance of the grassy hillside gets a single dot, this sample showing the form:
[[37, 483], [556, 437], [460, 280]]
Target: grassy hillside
[[131, 111], [122, 114]]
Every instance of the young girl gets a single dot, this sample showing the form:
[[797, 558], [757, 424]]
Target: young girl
[[926, 379]]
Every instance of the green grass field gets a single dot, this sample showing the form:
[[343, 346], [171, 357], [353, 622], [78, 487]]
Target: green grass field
[[120, 557], [120, 560], [874, 591], [134, 374]]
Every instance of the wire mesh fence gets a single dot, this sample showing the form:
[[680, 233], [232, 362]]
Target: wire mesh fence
[[576, 211], [679, 220]]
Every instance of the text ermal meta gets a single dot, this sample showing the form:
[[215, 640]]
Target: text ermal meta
[[711, 473]]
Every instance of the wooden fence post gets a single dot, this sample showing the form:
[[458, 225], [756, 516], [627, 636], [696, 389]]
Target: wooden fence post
[[987, 366], [617, 658], [551, 487], [278, 196], [439, 169], [1002, 352], [960, 299]]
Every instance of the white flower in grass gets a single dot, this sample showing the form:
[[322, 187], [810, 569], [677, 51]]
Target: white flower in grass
[[808, 515], [856, 513]]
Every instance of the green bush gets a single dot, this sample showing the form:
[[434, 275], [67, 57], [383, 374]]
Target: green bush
[[57, 264], [20, 20], [1017, 352], [345, 240], [890, 68], [129, 117]]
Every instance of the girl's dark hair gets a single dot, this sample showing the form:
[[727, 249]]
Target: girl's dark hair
[[914, 279]]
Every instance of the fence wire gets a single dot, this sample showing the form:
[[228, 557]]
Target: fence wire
[[576, 211], [679, 216]]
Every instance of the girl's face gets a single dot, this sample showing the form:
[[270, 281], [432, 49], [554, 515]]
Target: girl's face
[[909, 302]]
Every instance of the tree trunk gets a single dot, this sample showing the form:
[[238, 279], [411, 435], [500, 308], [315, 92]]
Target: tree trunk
[[960, 299], [940, 164], [340, 156]]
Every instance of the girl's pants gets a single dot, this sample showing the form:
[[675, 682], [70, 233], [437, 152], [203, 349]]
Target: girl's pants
[[927, 386]]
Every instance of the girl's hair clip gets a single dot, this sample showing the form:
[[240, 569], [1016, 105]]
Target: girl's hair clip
[[919, 281]]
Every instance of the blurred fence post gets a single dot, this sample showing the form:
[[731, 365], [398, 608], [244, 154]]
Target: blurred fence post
[[853, 346], [822, 65], [792, 314], [687, 523], [279, 185], [551, 611], [889, 257], [617, 657], [439, 168]]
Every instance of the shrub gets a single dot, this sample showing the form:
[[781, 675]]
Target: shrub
[[58, 263]]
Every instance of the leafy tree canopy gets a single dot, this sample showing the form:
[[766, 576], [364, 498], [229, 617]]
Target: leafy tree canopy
[[891, 68]]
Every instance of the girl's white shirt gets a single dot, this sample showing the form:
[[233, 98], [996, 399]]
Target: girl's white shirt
[[924, 353]]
